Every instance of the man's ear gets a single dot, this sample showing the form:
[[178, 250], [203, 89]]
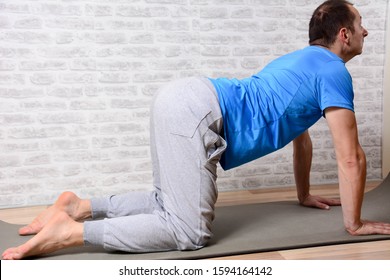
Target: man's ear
[[344, 35]]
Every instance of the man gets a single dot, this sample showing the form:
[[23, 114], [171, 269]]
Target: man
[[199, 122]]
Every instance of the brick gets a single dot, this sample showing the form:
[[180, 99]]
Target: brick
[[17, 8], [77, 78], [62, 118], [138, 11], [141, 51], [22, 147], [65, 92], [99, 10], [129, 104], [7, 65], [43, 65], [176, 2], [130, 155], [250, 63], [110, 117], [141, 38], [7, 52], [110, 38], [184, 11], [87, 105], [43, 106], [28, 37], [170, 25], [80, 156], [220, 63], [70, 23], [240, 26], [277, 181], [9, 161], [126, 24], [178, 38], [108, 168], [16, 200], [213, 13], [43, 78], [153, 77], [114, 77], [16, 119], [114, 90], [135, 140], [28, 23], [251, 171], [213, 51], [36, 172], [37, 159], [168, 64], [63, 37], [9, 107], [8, 189], [143, 166], [116, 65], [8, 79], [252, 51], [105, 142], [65, 144], [243, 12], [36, 132], [72, 170], [57, 9], [252, 183], [21, 93], [63, 52], [83, 64], [121, 128]]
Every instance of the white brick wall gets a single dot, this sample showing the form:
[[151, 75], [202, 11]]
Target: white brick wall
[[77, 79]]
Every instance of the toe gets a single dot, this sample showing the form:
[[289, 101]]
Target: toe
[[29, 229]]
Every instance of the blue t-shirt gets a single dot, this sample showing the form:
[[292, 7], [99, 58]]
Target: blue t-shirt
[[265, 112]]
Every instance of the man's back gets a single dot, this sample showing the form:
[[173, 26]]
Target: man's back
[[265, 112]]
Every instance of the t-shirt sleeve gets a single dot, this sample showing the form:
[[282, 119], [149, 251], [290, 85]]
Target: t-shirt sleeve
[[334, 87]]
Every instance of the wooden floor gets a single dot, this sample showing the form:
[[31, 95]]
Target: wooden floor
[[376, 250]]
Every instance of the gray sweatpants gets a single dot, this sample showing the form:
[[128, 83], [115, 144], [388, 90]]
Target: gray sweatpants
[[186, 146]]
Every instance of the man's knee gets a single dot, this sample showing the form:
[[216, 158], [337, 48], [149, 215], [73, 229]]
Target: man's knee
[[195, 241]]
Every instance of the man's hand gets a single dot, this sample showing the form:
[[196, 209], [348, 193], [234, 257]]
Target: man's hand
[[303, 151], [368, 228], [320, 202]]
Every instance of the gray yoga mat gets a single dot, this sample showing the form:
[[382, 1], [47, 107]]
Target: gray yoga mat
[[247, 229]]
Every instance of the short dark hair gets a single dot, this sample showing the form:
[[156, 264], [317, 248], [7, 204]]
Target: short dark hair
[[328, 19]]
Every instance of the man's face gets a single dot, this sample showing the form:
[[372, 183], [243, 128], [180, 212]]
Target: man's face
[[357, 37]]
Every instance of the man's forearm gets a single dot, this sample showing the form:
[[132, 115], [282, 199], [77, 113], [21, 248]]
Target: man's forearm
[[303, 153], [352, 178]]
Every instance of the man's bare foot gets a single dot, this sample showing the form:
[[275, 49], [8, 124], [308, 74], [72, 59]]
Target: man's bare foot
[[68, 202], [59, 233]]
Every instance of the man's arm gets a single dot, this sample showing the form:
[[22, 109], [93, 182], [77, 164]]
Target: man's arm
[[303, 153], [351, 162]]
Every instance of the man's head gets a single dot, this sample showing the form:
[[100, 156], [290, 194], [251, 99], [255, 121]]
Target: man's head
[[337, 20]]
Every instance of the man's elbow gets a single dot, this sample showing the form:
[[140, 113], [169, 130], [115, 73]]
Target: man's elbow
[[356, 160]]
